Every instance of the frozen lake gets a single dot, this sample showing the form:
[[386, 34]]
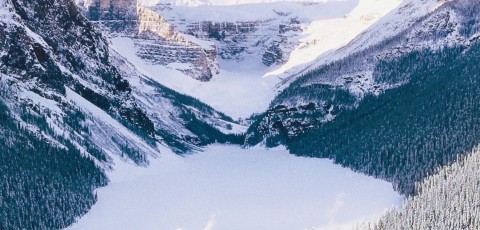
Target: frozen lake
[[229, 188]]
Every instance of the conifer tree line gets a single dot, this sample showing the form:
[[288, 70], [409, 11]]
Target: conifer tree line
[[45, 183], [450, 199]]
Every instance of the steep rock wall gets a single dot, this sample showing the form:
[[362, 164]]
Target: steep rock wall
[[156, 41]]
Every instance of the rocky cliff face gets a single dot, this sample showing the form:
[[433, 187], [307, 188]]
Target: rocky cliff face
[[165, 46], [239, 39], [156, 41], [61, 50], [242, 40]]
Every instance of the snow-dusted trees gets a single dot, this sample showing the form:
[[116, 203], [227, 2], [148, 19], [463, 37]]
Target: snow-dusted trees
[[447, 200], [45, 183]]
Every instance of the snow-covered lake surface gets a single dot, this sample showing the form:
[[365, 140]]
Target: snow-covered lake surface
[[229, 188]]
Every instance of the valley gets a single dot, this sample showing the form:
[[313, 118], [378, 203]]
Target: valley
[[239, 114], [254, 51]]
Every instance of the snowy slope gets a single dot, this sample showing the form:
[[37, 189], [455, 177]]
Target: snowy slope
[[405, 15], [284, 34], [51, 59], [324, 37], [174, 115], [228, 187], [355, 70]]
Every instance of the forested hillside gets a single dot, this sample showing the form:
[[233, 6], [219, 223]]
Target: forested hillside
[[425, 117], [448, 200], [318, 95], [45, 181], [407, 132]]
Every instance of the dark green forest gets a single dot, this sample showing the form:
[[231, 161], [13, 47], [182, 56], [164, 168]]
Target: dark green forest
[[404, 134], [44, 184]]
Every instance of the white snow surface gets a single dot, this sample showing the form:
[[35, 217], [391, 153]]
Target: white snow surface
[[326, 36], [227, 187], [384, 26]]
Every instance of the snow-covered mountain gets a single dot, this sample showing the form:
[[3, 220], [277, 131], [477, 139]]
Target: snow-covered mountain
[[77, 57], [354, 71], [391, 25], [239, 49], [66, 96]]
